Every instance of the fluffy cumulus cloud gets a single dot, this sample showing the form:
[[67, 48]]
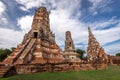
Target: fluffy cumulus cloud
[[9, 38], [28, 4], [61, 20], [2, 8], [23, 23], [61, 23], [2, 12], [64, 16]]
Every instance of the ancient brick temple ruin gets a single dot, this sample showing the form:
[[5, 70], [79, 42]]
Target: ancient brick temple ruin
[[39, 52]]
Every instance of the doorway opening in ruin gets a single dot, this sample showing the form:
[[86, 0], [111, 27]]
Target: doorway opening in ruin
[[35, 34]]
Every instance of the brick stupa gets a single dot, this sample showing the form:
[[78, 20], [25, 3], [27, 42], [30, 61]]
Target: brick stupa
[[94, 50]]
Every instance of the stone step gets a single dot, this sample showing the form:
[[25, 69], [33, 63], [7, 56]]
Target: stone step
[[25, 52], [3, 70]]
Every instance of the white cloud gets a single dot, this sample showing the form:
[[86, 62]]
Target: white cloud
[[28, 4], [23, 8], [62, 21], [112, 49], [10, 38], [108, 35], [100, 5], [25, 23], [2, 8], [104, 23], [3, 19], [95, 3], [64, 4]]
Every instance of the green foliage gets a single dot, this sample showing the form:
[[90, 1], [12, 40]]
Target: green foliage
[[111, 73], [4, 53], [80, 53], [118, 54]]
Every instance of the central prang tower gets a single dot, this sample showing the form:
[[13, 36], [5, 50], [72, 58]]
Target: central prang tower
[[38, 45]]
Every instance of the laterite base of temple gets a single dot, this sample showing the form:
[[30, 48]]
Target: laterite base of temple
[[61, 67], [7, 70]]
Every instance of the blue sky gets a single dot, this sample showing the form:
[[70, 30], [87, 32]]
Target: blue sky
[[103, 17]]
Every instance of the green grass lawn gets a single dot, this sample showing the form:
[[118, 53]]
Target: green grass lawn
[[112, 73]]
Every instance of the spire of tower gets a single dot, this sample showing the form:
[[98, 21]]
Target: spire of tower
[[90, 32], [91, 36], [92, 40], [41, 19]]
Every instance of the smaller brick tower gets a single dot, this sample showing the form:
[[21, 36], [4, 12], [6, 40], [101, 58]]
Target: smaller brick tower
[[69, 53], [69, 45], [94, 50]]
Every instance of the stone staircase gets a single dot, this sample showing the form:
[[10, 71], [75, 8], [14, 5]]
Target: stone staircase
[[16, 53], [4, 70], [25, 52], [28, 48]]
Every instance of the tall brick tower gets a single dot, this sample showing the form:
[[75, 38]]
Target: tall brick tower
[[94, 50], [38, 45]]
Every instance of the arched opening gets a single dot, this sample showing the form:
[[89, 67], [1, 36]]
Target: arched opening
[[35, 34]]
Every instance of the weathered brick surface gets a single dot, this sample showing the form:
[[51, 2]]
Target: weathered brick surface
[[114, 60], [61, 67], [94, 50], [69, 53]]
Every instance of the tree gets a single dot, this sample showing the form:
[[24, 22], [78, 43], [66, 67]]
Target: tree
[[118, 54], [4, 53], [80, 53], [13, 48]]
